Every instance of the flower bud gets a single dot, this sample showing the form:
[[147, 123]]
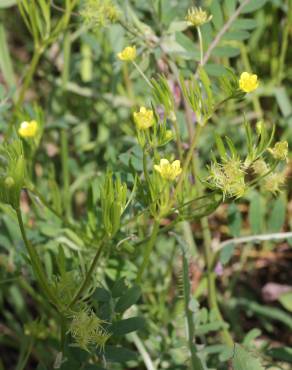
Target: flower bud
[[9, 182], [197, 17]]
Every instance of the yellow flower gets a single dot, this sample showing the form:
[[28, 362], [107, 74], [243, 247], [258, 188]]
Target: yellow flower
[[168, 171], [197, 17], [128, 54], [280, 150], [248, 82], [144, 118], [28, 129]]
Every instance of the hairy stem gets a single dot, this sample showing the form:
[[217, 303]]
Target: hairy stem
[[88, 276], [196, 363], [201, 45], [285, 42], [142, 74], [64, 134], [36, 262], [178, 139], [211, 278], [29, 75]]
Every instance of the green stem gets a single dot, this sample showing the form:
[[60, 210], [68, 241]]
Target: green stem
[[285, 42], [142, 74], [29, 75], [148, 249], [145, 170], [211, 277], [64, 136], [247, 67], [196, 363], [71, 225], [62, 332], [65, 172], [86, 281], [201, 46], [24, 359], [178, 139], [187, 160], [36, 262]]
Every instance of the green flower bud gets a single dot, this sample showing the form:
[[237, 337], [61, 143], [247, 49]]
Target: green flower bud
[[12, 172], [113, 196], [9, 182]]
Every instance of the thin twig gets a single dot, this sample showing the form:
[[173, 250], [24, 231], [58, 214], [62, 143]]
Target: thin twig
[[256, 238], [143, 352], [221, 33]]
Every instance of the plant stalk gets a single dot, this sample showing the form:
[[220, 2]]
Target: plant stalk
[[86, 281], [148, 249], [29, 75], [35, 261]]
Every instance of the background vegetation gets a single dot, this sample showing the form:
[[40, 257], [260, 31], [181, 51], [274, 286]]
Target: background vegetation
[[59, 66]]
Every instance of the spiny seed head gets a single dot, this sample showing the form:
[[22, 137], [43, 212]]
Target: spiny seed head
[[274, 182], [280, 150], [99, 13], [86, 329], [260, 167], [197, 17], [248, 82], [229, 177]]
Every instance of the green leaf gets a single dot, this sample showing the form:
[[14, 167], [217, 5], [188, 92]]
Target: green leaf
[[102, 295], [281, 354], [119, 288], [283, 100], [216, 11], [226, 253], [270, 313], [244, 24], [177, 26], [216, 70], [243, 360], [230, 6], [251, 336], [255, 215], [126, 326], [234, 220], [220, 146], [277, 215], [226, 51], [128, 299], [286, 301], [253, 5], [7, 3], [239, 35], [119, 354], [210, 327]]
